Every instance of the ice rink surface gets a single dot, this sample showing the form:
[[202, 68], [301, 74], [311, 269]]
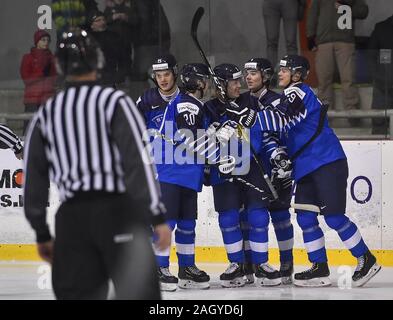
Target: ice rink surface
[[31, 281]]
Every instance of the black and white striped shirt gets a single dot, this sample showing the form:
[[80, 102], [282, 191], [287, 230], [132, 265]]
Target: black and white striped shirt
[[9, 140], [88, 138]]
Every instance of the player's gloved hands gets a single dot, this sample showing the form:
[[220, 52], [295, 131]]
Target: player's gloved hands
[[244, 116], [227, 130], [282, 165], [212, 129], [280, 183], [226, 164], [19, 155]]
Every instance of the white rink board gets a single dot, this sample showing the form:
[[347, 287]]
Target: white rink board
[[14, 228], [387, 195], [370, 204]]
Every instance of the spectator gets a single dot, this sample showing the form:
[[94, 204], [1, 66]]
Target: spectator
[[122, 19], [38, 72], [290, 11], [71, 14], [153, 36], [114, 53], [90, 6], [381, 45], [334, 45]]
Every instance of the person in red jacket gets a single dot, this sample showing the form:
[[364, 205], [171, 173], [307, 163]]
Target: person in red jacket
[[38, 72]]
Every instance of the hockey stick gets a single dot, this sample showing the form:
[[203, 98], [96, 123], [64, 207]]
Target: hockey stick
[[194, 28], [260, 167], [296, 206]]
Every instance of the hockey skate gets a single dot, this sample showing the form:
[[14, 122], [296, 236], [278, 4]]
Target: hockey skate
[[233, 276], [316, 276], [366, 269], [168, 282], [267, 276], [193, 278], [286, 271], [248, 269]]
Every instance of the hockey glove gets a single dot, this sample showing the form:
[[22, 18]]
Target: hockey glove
[[226, 165], [212, 129], [19, 155], [281, 163], [224, 134], [18, 151], [244, 116], [280, 183]]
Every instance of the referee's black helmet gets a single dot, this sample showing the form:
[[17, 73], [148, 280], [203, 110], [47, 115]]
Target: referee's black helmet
[[78, 53]]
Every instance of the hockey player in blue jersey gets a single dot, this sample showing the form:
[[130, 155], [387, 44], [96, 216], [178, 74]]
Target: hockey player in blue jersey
[[152, 105], [153, 102], [258, 74], [180, 182], [320, 170], [229, 197]]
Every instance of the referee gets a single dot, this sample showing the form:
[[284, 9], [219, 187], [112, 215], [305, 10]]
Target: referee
[[9, 140], [88, 141]]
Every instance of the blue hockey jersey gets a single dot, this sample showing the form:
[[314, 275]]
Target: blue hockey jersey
[[175, 164], [303, 108], [152, 106]]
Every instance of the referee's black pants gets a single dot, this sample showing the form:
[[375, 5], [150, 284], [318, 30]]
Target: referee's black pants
[[99, 236]]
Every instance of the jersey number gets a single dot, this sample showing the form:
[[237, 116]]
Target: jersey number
[[190, 118], [292, 97]]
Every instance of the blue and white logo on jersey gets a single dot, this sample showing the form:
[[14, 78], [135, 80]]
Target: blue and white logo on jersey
[[157, 120]]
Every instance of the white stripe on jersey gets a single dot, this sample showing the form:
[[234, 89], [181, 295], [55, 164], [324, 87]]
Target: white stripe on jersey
[[299, 92]]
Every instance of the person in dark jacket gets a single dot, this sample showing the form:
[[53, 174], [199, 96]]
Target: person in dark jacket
[[290, 11], [38, 72], [334, 45], [153, 36], [114, 52], [381, 46], [122, 19]]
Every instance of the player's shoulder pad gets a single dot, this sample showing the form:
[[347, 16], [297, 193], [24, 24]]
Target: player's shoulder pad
[[151, 99], [270, 98], [272, 95], [296, 90], [211, 108], [188, 104], [151, 96], [247, 100], [213, 102]]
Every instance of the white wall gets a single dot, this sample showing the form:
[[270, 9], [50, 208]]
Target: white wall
[[372, 160]]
